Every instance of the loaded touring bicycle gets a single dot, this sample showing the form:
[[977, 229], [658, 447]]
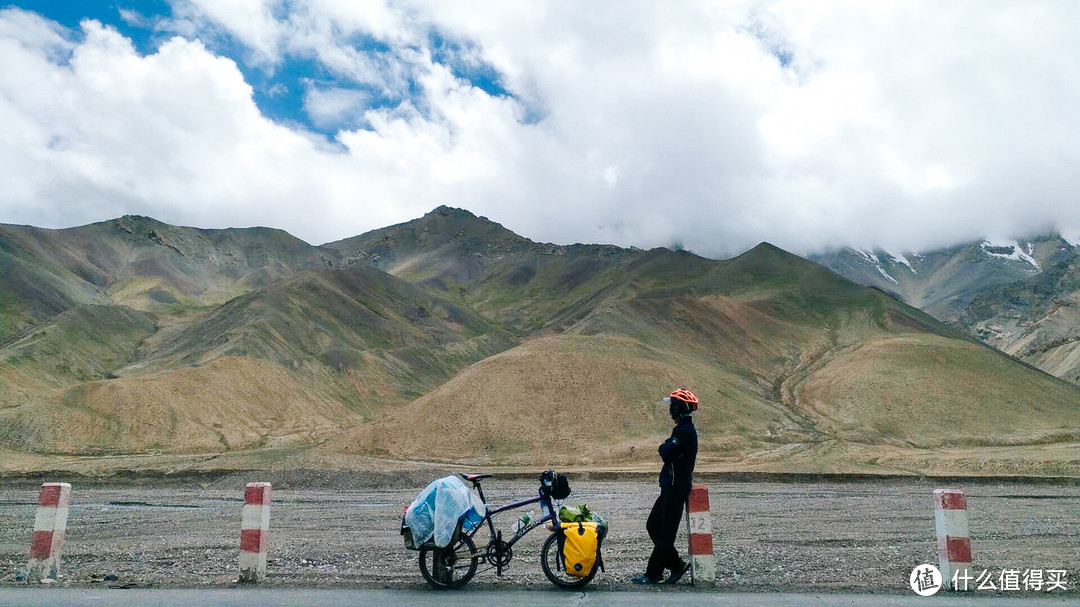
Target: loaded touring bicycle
[[570, 556]]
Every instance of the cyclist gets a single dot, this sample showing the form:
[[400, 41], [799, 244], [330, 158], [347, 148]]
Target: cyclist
[[679, 452]]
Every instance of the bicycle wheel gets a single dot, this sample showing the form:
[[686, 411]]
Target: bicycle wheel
[[450, 567], [555, 569]]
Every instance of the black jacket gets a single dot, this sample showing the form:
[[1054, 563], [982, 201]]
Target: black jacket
[[679, 453]]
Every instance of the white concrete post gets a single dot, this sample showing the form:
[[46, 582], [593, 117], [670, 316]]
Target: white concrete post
[[50, 527], [254, 532], [699, 519], [954, 543]]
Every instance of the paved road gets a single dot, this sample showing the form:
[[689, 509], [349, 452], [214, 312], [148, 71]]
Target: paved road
[[51, 597]]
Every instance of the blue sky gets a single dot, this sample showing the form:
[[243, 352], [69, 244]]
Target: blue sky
[[279, 89], [905, 125]]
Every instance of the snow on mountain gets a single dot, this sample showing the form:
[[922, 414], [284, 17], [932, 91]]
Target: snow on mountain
[[1073, 238], [868, 255], [886, 275], [900, 258], [1010, 249]]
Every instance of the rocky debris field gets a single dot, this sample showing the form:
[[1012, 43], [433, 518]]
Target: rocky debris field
[[342, 530]]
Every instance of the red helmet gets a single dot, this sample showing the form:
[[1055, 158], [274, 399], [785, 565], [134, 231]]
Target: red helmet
[[685, 396]]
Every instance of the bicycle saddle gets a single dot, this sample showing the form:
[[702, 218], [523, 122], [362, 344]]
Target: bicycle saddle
[[476, 478]]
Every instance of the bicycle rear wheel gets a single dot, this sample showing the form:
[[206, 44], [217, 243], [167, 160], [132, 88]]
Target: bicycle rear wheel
[[555, 569], [450, 567]]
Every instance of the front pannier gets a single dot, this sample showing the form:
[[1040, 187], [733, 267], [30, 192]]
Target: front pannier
[[581, 547]]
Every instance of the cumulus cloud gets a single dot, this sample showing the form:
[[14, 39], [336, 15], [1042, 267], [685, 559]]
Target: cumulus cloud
[[906, 125]]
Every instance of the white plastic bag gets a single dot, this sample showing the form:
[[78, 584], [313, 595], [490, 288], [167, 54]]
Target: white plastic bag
[[436, 511]]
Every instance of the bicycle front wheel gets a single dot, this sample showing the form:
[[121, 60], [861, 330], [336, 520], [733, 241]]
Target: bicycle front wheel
[[555, 569], [450, 567]]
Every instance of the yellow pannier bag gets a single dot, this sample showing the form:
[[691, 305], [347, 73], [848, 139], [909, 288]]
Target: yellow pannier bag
[[581, 548]]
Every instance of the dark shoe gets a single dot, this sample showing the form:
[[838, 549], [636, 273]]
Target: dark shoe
[[643, 580], [676, 574]]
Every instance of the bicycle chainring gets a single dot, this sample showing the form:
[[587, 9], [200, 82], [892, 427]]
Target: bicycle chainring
[[499, 553]]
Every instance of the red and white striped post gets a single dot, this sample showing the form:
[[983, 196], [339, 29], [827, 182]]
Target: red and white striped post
[[254, 532], [50, 527], [699, 528], [954, 544]]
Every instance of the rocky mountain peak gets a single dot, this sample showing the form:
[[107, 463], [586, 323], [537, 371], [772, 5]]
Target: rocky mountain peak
[[448, 211]]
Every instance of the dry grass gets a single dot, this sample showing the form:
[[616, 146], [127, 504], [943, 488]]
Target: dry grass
[[902, 404], [231, 403], [929, 391], [566, 399], [558, 398]]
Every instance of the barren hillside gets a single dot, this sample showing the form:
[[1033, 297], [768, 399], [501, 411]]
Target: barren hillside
[[193, 348]]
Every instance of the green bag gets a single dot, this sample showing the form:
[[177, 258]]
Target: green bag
[[575, 514]]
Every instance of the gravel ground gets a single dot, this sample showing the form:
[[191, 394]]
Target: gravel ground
[[338, 530]]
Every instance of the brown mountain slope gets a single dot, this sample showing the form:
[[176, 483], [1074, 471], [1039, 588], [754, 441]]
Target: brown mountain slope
[[593, 400], [231, 403], [337, 344], [502, 351], [84, 343], [787, 356]]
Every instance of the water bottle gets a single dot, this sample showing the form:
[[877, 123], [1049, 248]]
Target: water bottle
[[523, 521]]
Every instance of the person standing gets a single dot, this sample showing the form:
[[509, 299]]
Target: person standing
[[678, 453]]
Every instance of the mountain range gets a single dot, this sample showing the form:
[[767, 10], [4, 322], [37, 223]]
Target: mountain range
[[1021, 296], [450, 339]]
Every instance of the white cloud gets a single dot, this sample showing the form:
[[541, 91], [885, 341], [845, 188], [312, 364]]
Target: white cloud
[[252, 21], [175, 135], [28, 32], [903, 124], [135, 18], [332, 106]]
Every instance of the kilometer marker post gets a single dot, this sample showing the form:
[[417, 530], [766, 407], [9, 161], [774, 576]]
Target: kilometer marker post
[[254, 532], [954, 543], [699, 524], [50, 528]]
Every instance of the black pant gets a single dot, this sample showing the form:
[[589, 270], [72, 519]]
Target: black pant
[[663, 526]]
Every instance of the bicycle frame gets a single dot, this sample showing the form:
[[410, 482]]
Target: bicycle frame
[[544, 501]]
